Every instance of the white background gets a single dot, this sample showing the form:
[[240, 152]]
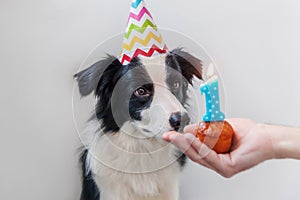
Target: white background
[[255, 44]]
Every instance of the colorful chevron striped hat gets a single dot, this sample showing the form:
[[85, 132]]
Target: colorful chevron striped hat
[[141, 36]]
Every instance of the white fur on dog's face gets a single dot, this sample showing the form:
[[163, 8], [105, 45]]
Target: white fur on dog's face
[[155, 119]]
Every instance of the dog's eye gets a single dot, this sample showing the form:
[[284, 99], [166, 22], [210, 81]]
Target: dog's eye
[[141, 91], [176, 84]]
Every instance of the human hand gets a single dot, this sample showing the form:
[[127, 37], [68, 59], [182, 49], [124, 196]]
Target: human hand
[[251, 145]]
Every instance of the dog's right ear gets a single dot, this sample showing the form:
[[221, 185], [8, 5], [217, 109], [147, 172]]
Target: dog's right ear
[[88, 79]]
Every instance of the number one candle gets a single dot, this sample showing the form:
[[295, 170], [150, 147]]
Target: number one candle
[[211, 91], [214, 131]]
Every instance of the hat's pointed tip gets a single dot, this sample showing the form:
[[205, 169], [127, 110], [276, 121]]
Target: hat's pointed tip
[[142, 36]]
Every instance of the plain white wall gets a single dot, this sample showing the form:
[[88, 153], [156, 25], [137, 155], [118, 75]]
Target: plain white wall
[[43, 43]]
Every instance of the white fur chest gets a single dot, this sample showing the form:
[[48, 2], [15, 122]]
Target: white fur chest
[[128, 168]]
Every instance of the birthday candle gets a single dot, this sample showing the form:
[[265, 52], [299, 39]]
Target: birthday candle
[[210, 89]]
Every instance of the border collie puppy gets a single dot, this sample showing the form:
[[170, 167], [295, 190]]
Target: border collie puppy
[[124, 156]]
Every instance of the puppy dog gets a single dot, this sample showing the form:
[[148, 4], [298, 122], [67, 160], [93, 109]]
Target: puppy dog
[[124, 156]]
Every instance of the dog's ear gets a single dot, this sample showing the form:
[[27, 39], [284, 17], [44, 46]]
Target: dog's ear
[[88, 79], [188, 64]]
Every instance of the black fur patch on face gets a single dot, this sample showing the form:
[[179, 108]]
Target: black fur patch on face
[[181, 67], [140, 100], [118, 100], [177, 84], [115, 85]]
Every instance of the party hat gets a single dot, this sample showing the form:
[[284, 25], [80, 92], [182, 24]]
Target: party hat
[[141, 36]]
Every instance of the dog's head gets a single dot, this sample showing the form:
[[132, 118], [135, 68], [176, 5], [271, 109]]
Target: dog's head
[[148, 93]]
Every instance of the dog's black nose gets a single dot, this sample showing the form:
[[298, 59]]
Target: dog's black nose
[[178, 120]]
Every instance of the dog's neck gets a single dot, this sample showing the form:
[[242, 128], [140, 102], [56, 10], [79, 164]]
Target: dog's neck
[[123, 151], [136, 142]]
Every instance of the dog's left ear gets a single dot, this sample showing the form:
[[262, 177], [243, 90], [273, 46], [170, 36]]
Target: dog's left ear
[[88, 79], [188, 64]]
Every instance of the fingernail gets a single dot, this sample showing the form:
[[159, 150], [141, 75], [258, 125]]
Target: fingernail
[[165, 137]]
